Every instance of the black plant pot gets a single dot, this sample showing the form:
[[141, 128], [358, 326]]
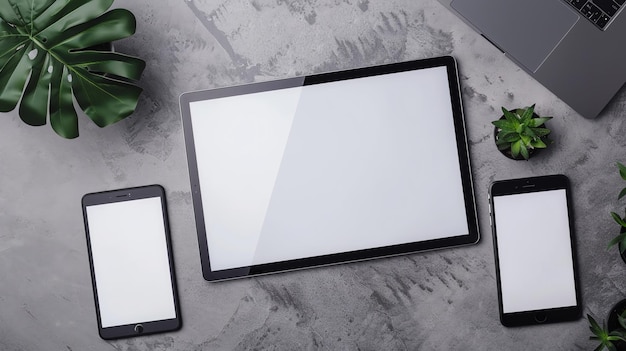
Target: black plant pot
[[613, 324], [508, 153]]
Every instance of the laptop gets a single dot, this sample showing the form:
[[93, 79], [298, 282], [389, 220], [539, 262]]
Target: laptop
[[575, 48]]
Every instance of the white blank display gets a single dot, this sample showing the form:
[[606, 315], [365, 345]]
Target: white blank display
[[329, 168], [534, 251], [130, 262]]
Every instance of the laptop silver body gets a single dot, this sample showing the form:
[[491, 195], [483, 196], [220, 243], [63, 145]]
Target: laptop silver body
[[575, 48]]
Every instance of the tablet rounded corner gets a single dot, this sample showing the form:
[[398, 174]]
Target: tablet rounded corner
[[476, 239]]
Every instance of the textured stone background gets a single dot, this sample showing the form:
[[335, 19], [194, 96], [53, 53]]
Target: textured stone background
[[442, 300]]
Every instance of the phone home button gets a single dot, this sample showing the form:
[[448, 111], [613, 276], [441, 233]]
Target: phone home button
[[139, 329], [541, 317]]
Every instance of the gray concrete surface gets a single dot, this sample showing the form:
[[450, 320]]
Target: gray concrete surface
[[442, 300]]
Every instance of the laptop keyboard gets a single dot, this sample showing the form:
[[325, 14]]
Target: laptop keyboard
[[599, 12]]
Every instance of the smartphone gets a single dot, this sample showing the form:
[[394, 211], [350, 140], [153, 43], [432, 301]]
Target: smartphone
[[533, 240], [128, 241]]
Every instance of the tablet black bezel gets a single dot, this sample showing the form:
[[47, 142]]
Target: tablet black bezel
[[129, 194], [471, 237], [524, 186]]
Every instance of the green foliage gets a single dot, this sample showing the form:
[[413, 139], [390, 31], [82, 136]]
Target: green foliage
[[46, 57], [621, 238], [606, 337], [519, 132]]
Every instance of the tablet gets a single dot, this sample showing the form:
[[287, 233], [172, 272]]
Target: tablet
[[329, 168]]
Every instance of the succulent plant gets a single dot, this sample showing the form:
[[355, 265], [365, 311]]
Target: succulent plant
[[607, 337], [520, 132]]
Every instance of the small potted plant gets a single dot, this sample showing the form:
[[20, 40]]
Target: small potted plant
[[55, 52], [519, 133], [611, 335]]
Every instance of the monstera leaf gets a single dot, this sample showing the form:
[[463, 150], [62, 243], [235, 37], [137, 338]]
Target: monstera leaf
[[47, 55]]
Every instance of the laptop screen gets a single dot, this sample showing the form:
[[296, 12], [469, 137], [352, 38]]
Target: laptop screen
[[324, 169]]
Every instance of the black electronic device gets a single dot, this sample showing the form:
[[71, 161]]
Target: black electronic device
[[535, 252], [329, 168], [132, 272]]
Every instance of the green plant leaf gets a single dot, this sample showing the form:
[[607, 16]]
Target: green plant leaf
[[539, 121], [622, 321], [616, 335], [511, 117], [593, 325], [32, 110], [529, 131], [601, 334], [508, 137], [527, 113], [525, 139], [63, 117], [618, 219], [617, 239], [503, 124], [13, 77], [538, 144], [621, 194], [515, 148], [46, 54], [622, 170], [524, 151], [541, 132]]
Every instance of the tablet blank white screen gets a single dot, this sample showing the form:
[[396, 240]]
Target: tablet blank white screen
[[534, 251], [328, 168], [130, 262]]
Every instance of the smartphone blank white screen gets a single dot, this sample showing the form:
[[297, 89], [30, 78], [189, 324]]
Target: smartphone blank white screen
[[130, 262], [329, 168], [534, 251]]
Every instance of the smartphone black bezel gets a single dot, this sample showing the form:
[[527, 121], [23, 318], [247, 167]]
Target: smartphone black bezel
[[129, 194], [529, 185]]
